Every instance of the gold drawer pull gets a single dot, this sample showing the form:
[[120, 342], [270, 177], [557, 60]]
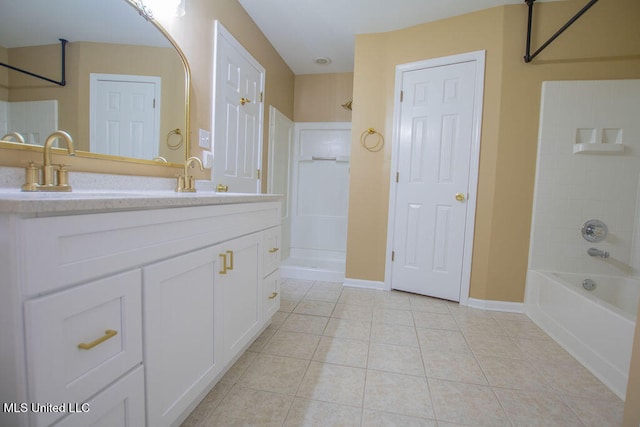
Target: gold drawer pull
[[224, 263], [273, 295], [109, 333], [230, 260], [273, 250]]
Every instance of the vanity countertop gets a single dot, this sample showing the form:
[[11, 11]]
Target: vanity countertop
[[45, 204]]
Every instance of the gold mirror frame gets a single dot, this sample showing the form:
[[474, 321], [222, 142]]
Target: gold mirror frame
[[31, 151]]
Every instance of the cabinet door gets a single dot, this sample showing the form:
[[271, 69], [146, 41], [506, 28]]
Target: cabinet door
[[272, 244], [240, 293], [181, 358]]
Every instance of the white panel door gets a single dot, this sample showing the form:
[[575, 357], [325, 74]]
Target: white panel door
[[125, 115], [238, 115], [435, 139]]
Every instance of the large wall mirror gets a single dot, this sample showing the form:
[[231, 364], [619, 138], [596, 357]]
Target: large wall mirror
[[126, 92]]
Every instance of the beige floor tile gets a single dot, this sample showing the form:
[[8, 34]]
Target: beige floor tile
[[305, 324], [274, 373], [395, 358], [596, 412], [292, 344], [505, 315], [521, 329], [494, 345], [461, 366], [353, 312], [358, 296], [481, 325], [425, 319], [247, 407], [531, 408], [439, 340], [398, 394], [233, 374], [392, 316], [394, 299], [208, 404], [543, 350], [287, 305], [278, 319], [394, 334], [383, 419], [314, 308], [321, 294], [342, 351], [305, 412], [468, 404], [295, 289], [517, 374], [432, 305], [326, 382], [347, 328], [573, 379], [263, 339]]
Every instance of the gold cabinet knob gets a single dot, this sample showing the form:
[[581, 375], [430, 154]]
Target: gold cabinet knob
[[460, 197], [222, 188]]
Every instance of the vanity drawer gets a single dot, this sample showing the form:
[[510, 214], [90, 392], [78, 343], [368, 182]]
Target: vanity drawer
[[272, 249], [69, 250], [119, 405], [82, 339]]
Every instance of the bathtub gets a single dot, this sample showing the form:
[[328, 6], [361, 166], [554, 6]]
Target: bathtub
[[596, 327]]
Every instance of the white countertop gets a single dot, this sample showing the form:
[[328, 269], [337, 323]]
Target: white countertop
[[104, 193]]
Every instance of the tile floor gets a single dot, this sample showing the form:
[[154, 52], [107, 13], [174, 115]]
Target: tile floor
[[338, 356]]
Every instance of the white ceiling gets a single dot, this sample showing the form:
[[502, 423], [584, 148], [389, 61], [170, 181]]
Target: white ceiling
[[301, 30]]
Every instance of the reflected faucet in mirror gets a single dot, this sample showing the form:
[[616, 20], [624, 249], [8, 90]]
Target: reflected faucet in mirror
[[43, 179], [187, 183], [16, 136]]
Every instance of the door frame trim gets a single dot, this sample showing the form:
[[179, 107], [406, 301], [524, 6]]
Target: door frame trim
[[474, 160]]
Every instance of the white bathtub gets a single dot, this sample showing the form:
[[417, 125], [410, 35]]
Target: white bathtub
[[596, 327]]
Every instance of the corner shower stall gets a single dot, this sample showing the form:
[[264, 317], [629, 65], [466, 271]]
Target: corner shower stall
[[319, 197], [584, 258]]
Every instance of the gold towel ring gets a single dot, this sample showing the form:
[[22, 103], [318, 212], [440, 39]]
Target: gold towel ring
[[368, 146], [176, 145]]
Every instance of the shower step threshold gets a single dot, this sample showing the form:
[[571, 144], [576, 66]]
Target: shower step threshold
[[326, 270]]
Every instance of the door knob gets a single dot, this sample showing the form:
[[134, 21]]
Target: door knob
[[222, 188], [460, 197], [244, 100]]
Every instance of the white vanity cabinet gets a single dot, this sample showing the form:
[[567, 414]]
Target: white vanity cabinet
[[131, 315]]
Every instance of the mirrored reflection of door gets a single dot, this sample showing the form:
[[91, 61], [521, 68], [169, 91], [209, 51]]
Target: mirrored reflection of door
[[238, 116], [125, 115]]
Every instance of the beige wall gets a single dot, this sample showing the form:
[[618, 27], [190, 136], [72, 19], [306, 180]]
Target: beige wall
[[4, 75], [602, 45], [319, 97]]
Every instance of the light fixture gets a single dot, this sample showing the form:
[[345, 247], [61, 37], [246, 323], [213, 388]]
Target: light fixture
[[162, 8], [322, 60]]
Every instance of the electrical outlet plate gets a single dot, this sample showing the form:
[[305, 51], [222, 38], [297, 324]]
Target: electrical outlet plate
[[204, 139]]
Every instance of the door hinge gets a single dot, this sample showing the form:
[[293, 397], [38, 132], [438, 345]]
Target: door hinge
[[261, 96], [154, 103], [397, 176], [393, 256], [257, 173], [401, 95]]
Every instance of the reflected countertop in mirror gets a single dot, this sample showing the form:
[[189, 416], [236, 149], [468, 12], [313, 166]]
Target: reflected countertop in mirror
[[113, 54]]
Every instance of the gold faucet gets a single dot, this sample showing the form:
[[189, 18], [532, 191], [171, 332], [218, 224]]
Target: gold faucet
[[187, 183], [15, 135], [49, 182]]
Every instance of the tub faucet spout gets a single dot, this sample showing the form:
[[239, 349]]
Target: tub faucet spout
[[597, 252]]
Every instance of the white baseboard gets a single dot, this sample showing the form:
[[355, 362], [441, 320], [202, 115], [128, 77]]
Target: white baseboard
[[365, 284], [511, 307]]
